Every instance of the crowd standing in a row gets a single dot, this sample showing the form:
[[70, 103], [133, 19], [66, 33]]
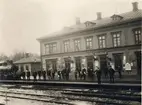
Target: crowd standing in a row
[[79, 74]]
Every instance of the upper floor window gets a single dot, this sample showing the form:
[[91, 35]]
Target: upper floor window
[[66, 46], [50, 48], [116, 38], [77, 44], [89, 42], [102, 41], [137, 34]]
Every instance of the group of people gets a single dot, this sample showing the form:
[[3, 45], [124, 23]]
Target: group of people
[[27, 75], [79, 74], [90, 73]]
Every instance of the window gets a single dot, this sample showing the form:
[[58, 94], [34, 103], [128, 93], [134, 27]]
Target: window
[[77, 44], [137, 34], [66, 46], [46, 49], [50, 48], [116, 38], [89, 42], [102, 41]]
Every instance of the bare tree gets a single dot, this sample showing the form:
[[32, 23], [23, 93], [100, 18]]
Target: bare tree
[[3, 57], [19, 55]]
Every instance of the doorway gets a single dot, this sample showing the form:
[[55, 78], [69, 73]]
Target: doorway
[[118, 60], [103, 64], [90, 62]]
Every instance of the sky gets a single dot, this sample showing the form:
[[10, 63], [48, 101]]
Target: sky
[[23, 21]]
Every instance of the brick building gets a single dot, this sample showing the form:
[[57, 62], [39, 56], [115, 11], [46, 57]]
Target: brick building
[[117, 38]]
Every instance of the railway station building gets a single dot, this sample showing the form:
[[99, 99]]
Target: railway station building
[[115, 39]]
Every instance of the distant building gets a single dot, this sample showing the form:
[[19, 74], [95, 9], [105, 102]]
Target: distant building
[[29, 64], [116, 38]]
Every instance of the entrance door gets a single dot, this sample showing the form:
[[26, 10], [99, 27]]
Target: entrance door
[[78, 63], [54, 65], [47, 64], [103, 63], [67, 63], [138, 58], [90, 62], [118, 60]]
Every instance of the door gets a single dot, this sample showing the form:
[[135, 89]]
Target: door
[[90, 62], [54, 65], [103, 63], [118, 60], [67, 63], [78, 63]]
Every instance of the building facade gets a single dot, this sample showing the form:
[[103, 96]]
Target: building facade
[[115, 39], [31, 64]]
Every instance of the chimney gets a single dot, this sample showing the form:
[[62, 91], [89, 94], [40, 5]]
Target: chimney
[[77, 21], [135, 6], [99, 15]]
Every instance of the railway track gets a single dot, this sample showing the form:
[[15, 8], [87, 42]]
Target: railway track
[[65, 97]]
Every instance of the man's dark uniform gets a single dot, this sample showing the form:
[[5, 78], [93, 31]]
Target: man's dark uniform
[[84, 73], [98, 73]]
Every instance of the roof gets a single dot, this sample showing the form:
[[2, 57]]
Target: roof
[[28, 60], [2, 62], [5, 67], [127, 17]]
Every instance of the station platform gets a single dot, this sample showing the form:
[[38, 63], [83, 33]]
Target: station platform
[[82, 84]]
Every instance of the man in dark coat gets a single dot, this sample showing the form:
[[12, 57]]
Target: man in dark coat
[[28, 75], [119, 71], [67, 73], [75, 74], [49, 74], [59, 74], [34, 75], [111, 74], [84, 73], [89, 73], [98, 73], [39, 74], [63, 72], [44, 75], [23, 75]]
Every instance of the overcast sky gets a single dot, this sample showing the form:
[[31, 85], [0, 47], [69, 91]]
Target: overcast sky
[[23, 21]]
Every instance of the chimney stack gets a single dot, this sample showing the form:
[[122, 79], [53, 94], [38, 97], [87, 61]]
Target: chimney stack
[[77, 21], [135, 6], [99, 15]]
